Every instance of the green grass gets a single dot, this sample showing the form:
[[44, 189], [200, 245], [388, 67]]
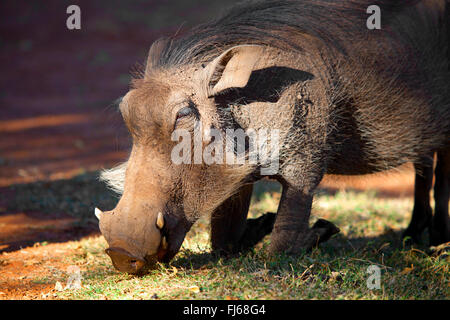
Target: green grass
[[370, 235]]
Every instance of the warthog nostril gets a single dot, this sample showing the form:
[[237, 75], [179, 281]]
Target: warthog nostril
[[124, 261]]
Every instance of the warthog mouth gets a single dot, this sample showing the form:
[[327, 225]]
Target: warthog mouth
[[124, 261], [127, 258]]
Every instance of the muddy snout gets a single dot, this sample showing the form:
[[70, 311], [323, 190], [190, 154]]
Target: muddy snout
[[125, 261], [134, 247]]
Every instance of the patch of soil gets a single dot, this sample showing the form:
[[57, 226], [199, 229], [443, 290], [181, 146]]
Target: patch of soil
[[25, 273]]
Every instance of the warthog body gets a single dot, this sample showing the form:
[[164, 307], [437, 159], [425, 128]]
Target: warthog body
[[344, 99]]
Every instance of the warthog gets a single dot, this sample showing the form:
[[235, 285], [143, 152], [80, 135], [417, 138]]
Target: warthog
[[343, 98]]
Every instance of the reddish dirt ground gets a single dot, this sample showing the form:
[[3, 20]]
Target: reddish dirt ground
[[20, 269], [58, 118]]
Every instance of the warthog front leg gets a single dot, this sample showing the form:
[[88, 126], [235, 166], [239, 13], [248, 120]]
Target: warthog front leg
[[291, 233], [231, 232]]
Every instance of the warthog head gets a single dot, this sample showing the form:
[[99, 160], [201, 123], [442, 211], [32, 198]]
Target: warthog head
[[161, 199]]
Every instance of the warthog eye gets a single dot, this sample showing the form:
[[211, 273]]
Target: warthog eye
[[187, 111], [184, 112]]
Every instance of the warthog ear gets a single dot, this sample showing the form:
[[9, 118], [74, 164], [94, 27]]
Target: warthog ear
[[232, 69], [154, 54]]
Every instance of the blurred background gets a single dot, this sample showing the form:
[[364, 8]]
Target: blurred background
[[58, 85]]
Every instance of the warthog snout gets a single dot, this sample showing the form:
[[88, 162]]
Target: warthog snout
[[130, 248], [121, 258], [125, 261], [136, 245]]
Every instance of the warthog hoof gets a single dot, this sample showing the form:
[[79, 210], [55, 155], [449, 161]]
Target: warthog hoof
[[296, 242], [257, 229], [326, 229]]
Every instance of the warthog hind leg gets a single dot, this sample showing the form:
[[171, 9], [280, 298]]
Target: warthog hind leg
[[231, 231], [422, 213], [440, 228], [256, 230]]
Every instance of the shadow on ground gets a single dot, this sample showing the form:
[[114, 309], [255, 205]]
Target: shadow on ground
[[51, 211], [338, 247]]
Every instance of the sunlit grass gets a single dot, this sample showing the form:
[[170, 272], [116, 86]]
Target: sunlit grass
[[370, 235]]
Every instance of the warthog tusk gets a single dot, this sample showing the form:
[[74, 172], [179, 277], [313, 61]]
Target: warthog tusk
[[164, 243], [98, 213], [160, 220]]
